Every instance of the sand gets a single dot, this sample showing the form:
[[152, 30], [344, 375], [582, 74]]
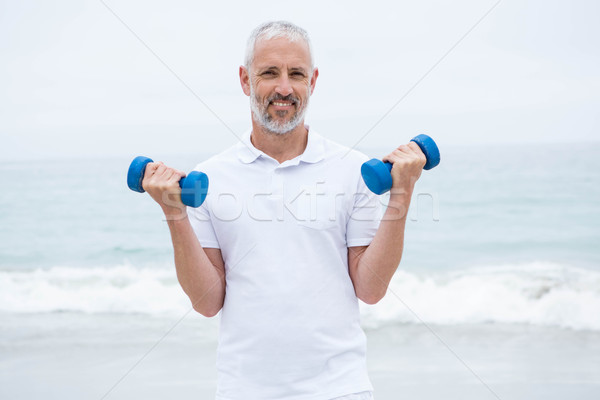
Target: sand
[[80, 356]]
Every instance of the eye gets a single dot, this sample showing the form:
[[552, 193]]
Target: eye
[[268, 73]]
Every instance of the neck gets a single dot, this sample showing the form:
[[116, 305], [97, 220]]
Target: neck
[[280, 147]]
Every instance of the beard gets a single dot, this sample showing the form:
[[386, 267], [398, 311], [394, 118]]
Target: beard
[[263, 118]]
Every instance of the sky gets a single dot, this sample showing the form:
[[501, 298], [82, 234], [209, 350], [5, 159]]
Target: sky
[[111, 78]]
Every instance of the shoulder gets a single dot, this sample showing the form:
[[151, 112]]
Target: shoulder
[[341, 153], [220, 160]]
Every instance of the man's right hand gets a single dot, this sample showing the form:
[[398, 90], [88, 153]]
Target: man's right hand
[[162, 184]]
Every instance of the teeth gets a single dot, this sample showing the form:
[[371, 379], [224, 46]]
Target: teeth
[[281, 104]]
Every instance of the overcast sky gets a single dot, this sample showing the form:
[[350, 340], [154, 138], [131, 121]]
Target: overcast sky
[[75, 81]]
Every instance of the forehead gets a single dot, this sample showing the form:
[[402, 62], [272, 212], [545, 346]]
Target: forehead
[[281, 52]]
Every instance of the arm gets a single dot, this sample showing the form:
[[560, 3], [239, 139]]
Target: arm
[[200, 272], [371, 267]]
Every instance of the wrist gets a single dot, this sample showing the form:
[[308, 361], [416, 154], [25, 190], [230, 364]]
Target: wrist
[[175, 213], [397, 208], [401, 194]]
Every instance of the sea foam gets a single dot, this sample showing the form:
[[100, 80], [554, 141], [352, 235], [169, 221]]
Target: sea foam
[[534, 293], [120, 289]]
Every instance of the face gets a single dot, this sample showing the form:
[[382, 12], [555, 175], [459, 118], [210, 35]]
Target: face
[[279, 84]]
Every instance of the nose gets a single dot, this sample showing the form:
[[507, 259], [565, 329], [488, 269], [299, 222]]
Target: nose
[[284, 86]]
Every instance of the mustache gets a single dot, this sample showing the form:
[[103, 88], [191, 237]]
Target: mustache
[[277, 97]]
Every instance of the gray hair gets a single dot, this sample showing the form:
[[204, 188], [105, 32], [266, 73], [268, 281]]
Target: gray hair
[[275, 29]]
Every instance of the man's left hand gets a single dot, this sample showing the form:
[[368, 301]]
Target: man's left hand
[[408, 161]]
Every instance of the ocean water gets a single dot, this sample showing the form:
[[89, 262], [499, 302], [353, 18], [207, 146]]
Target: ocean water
[[498, 234], [500, 275]]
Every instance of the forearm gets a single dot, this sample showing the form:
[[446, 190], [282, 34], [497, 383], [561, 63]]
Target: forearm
[[200, 279], [379, 261]]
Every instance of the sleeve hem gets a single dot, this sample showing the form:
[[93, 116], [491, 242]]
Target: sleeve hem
[[209, 244], [359, 242]]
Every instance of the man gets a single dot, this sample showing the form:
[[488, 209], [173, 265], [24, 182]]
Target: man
[[288, 239]]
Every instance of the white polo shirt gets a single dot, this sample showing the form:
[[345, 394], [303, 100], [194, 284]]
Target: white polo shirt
[[289, 325]]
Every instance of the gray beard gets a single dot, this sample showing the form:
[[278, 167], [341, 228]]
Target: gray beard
[[262, 117]]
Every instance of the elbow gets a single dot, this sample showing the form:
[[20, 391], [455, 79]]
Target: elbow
[[371, 298], [205, 311]]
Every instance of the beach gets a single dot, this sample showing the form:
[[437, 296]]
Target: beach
[[497, 295], [71, 356]]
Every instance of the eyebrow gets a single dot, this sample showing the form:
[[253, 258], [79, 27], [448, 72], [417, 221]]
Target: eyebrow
[[293, 69], [298, 69]]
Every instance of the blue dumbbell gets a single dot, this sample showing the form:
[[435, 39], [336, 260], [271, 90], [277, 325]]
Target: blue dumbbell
[[377, 174], [193, 187]]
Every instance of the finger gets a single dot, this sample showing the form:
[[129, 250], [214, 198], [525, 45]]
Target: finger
[[389, 158], [415, 148], [420, 154], [175, 174], [149, 174], [405, 149], [150, 169], [394, 157], [175, 177], [403, 152], [171, 175], [167, 174], [160, 170]]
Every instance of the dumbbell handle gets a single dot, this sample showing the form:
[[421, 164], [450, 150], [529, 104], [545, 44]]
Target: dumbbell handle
[[377, 174], [194, 186]]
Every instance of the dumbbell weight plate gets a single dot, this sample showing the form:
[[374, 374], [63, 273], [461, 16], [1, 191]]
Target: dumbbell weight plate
[[194, 188], [376, 175], [429, 148], [135, 174]]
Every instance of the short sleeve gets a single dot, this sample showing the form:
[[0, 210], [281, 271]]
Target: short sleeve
[[203, 227], [364, 217]]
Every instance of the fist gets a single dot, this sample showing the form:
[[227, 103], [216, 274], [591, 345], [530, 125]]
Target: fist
[[408, 161], [162, 184]]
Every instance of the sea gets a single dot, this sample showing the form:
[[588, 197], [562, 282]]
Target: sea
[[502, 238]]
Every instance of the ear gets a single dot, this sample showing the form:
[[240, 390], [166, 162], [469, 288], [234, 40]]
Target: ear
[[313, 80], [245, 80]]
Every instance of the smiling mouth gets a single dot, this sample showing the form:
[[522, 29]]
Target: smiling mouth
[[282, 104]]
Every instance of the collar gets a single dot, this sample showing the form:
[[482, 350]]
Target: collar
[[314, 151]]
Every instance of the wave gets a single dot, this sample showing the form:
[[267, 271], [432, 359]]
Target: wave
[[120, 289], [534, 293]]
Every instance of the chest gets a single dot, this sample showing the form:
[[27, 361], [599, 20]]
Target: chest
[[304, 203]]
